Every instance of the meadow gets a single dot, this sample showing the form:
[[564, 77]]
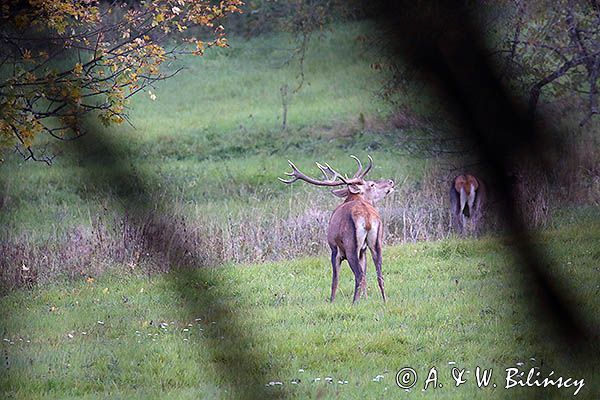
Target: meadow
[[103, 318], [213, 135], [454, 303]]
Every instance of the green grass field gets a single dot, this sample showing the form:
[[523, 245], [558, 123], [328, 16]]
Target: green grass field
[[449, 302], [213, 136]]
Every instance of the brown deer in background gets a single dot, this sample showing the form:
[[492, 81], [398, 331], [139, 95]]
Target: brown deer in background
[[355, 224], [467, 200]]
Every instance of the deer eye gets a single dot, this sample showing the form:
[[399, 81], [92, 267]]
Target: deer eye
[[372, 184]]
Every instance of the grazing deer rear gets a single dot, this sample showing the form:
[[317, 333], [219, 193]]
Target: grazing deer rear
[[355, 224]]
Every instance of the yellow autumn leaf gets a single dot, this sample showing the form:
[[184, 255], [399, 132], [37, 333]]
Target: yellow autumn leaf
[[158, 19]]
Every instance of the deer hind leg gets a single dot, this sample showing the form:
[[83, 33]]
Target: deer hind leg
[[377, 259], [465, 210], [354, 262], [360, 247], [374, 243], [362, 259], [336, 260], [464, 224]]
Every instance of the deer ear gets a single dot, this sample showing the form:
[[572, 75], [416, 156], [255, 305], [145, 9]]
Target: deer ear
[[340, 192], [354, 189]]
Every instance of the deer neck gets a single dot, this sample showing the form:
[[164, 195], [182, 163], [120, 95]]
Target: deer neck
[[356, 197]]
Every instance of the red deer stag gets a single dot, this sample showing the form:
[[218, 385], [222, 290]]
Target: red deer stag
[[467, 199], [355, 224]]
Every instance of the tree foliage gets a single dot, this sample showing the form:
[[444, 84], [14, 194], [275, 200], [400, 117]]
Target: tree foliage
[[62, 59], [555, 46]]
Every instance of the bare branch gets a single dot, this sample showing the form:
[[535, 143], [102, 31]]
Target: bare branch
[[534, 93]]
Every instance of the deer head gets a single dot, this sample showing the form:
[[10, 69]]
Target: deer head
[[370, 190]]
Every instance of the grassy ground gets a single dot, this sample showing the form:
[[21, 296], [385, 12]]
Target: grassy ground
[[213, 136], [449, 302]]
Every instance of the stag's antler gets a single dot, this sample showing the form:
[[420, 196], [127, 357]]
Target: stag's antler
[[327, 170], [360, 173], [332, 177], [337, 179]]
